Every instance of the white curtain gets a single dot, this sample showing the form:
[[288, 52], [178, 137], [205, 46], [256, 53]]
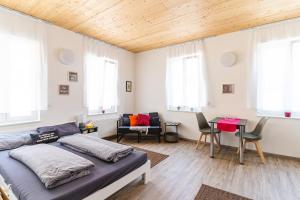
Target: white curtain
[[23, 64], [272, 85], [186, 77], [101, 77], [100, 49]]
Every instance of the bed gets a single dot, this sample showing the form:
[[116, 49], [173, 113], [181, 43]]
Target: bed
[[104, 180]]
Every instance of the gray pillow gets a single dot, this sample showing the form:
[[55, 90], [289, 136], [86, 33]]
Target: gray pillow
[[62, 129], [67, 129], [14, 140]]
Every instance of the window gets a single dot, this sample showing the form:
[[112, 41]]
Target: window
[[23, 79], [185, 83], [101, 77], [278, 83]]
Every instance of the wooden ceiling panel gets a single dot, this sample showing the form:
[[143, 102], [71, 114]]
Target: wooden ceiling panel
[[139, 25]]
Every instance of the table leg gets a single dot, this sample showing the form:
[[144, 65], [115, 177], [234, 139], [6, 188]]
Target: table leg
[[139, 136], [242, 129], [212, 149]]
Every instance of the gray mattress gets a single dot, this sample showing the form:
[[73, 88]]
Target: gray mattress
[[27, 186]]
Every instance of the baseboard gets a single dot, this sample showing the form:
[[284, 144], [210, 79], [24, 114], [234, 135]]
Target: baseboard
[[111, 137], [187, 139], [251, 150]]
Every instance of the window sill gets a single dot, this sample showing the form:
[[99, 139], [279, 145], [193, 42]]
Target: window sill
[[183, 111], [102, 114], [277, 116], [20, 123]]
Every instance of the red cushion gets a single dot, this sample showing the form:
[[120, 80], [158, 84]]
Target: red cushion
[[143, 120]]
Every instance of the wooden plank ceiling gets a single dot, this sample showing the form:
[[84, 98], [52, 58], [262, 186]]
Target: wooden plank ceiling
[[139, 25]]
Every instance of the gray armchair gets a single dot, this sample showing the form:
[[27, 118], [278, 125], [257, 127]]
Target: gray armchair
[[205, 130], [254, 137]]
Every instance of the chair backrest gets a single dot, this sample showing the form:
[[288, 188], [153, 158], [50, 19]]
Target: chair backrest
[[202, 122], [153, 114], [260, 125]]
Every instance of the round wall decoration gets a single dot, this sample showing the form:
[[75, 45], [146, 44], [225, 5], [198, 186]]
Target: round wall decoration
[[228, 59], [66, 56]]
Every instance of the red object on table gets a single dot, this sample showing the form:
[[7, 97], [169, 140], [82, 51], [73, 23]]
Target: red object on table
[[287, 114], [228, 124]]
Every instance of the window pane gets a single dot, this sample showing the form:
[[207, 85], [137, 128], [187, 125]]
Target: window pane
[[101, 77], [294, 77], [23, 77], [278, 78], [192, 73], [183, 83], [176, 82], [93, 81], [20, 79], [273, 60], [110, 85]]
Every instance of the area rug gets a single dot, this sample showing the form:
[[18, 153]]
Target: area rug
[[154, 157], [210, 193]]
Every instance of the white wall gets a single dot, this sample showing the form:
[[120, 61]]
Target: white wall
[[65, 108], [147, 71], [280, 136]]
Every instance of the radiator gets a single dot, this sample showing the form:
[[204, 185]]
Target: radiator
[[106, 127]]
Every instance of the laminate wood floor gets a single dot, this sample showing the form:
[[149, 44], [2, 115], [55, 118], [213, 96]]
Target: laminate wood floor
[[180, 175]]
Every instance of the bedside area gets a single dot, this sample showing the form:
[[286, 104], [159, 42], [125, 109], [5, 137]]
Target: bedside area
[[93, 131]]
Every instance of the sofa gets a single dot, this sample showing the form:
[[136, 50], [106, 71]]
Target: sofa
[[123, 127]]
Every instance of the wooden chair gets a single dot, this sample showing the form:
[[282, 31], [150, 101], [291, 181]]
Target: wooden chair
[[254, 137], [205, 130]]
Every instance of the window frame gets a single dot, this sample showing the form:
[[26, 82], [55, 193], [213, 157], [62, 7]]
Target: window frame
[[276, 114], [6, 120], [184, 108], [34, 116], [112, 110]]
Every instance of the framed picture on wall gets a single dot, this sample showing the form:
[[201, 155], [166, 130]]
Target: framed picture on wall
[[73, 76], [63, 89], [228, 88], [128, 86]]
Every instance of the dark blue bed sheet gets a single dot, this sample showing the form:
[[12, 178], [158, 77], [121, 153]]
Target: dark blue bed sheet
[[27, 186]]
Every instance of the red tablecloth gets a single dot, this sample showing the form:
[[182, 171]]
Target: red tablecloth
[[228, 124]]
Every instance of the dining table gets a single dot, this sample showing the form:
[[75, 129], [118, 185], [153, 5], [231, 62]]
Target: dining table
[[240, 125]]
